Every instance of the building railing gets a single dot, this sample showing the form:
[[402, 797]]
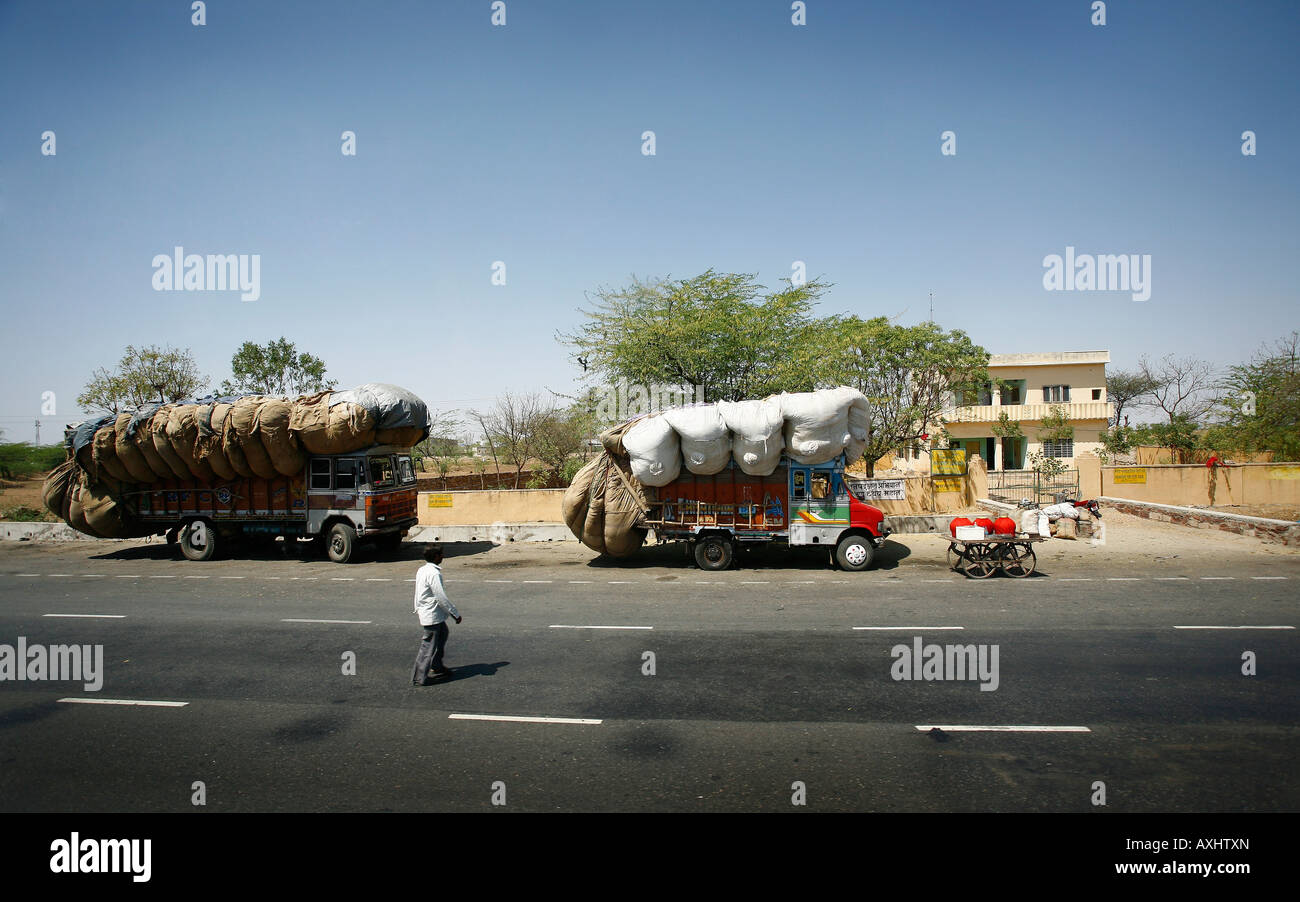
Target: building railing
[[1019, 413]]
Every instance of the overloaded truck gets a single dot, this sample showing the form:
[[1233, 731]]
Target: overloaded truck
[[339, 500], [333, 466], [798, 504], [732, 474]]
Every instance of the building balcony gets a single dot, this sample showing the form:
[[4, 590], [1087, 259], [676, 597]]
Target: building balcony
[[1023, 413]]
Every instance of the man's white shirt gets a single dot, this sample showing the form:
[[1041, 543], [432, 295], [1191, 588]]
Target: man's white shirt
[[431, 601]]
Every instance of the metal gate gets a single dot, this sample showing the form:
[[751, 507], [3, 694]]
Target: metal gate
[[1012, 485]]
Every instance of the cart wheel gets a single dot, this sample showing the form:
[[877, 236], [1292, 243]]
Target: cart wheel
[[982, 561], [1018, 560]]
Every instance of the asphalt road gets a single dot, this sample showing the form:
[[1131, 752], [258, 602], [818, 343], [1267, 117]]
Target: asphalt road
[[764, 677]]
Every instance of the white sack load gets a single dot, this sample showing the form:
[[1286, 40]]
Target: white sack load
[[859, 427], [655, 451], [756, 439], [706, 441], [817, 423]]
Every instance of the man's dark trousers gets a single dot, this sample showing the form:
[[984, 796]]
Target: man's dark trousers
[[431, 648]]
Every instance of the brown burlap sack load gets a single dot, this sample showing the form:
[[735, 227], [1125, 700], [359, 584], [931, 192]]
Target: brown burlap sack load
[[210, 445], [322, 429], [128, 455], [143, 441], [272, 422], [105, 456], [54, 492], [158, 435], [241, 427], [182, 434], [73, 510], [603, 505]]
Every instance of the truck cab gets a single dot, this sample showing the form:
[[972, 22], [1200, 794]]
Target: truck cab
[[368, 495]]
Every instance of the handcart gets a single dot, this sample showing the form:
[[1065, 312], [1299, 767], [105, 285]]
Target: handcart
[[981, 558]]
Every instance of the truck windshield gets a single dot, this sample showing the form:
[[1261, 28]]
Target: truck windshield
[[404, 470], [381, 471]]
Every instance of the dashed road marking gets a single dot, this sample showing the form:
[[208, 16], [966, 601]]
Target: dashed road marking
[[909, 627], [498, 580], [1253, 577], [1234, 627], [568, 626], [538, 581], [1218, 577], [123, 701], [91, 616], [380, 579], [508, 718], [305, 620], [999, 728]]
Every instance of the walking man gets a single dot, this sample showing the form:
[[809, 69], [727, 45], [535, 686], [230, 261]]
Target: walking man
[[433, 606]]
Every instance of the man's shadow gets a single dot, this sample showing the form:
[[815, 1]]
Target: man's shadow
[[466, 671]]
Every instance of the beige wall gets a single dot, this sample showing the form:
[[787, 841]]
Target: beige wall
[[1190, 484], [475, 508], [1081, 377]]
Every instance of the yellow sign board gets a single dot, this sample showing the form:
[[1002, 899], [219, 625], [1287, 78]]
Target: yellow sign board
[[949, 462], [439, 499], [1130, 476], [946, 483]]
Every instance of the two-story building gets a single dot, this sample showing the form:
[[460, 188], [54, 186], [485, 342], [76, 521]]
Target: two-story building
[[1026, 387]]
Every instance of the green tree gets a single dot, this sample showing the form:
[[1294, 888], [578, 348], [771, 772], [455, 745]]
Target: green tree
[[275, 368], [143, 375], [1126, 388], [721, 331], [1259, 403], [907, 373], [558, 436]]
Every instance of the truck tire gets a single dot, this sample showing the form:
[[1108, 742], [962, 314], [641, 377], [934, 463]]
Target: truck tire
[[341, 543], [714, 553], [854, 553], [191, 546]]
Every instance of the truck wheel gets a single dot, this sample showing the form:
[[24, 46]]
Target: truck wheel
[[854, 553], [198, 541], [714, 553], [342, 542]]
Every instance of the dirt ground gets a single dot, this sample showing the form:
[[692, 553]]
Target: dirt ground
[[1272, 511], [22, 493]]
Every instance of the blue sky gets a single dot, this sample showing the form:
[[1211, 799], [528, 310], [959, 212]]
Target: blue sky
[[522, 143]]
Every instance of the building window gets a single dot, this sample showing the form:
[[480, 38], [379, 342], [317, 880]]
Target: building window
[[1096, 394], [1063, 448], [1014, 392], [1056, 394]]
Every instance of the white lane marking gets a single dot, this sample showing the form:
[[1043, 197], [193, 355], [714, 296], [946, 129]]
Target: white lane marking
[[538, 581], [1234, 627], [498, 580], [60, 574], [706, 582], [1218, 577], [122, 701], [1123, 579], [129, 576], [909, 627], [203, 577], [341, 579], [37, 574], [169, 576], [802, 582], [568, 626], [102, 616], [299, 620], [382, 579], [1253, 577], [232, 577], [1076, 579], [306, 578], [755, 582], [621, 582], [999, 728], [579, 582], [1184, 578], [516, 719], [409, 580], [269, 577], [92, 576]]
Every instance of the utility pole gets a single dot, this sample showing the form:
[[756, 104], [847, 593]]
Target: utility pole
[[932, 306], [38, 431]]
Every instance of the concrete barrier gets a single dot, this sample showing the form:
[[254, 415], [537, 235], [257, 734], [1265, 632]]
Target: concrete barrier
[[1283, 532]]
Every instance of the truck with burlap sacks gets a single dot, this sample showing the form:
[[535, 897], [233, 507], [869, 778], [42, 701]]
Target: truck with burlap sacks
[[333, 467], [733, 474]]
